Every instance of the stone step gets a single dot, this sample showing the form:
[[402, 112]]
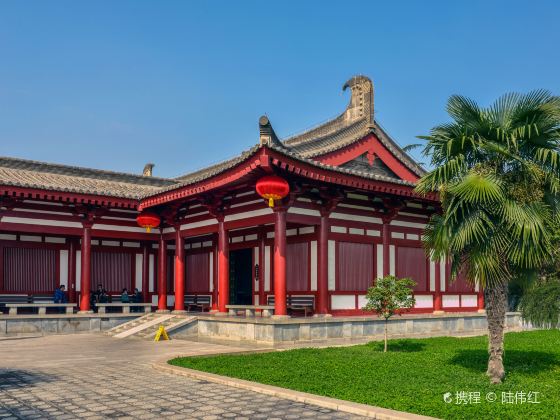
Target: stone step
[[146, 325], [130, 324], [153, 329], [169, 325]]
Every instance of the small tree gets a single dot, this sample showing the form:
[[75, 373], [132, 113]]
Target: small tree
[[389, 295]]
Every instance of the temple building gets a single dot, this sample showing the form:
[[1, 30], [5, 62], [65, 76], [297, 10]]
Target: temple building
[[348, 214]]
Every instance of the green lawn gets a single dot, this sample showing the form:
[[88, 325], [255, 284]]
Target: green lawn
[[413, 376]]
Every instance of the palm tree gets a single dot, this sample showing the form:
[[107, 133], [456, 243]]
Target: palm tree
[[497, 172]]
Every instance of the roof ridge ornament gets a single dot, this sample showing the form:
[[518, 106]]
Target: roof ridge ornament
[[361, 99], [267, 135], [355, 121], [148, 169]]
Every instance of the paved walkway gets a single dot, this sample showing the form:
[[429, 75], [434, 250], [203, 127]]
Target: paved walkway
[[94, 376]]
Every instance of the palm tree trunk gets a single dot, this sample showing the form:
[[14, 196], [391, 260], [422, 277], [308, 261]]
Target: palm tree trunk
[[385, 349], [496, 300]]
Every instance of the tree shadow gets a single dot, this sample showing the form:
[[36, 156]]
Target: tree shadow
[[18, 378], [521, 361], [403, 346]]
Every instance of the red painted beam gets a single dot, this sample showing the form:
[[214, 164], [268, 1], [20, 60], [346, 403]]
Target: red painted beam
[[66, 197]]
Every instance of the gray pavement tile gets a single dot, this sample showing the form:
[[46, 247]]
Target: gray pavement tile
[[32, 387]]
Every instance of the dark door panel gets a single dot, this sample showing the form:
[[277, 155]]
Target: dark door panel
[[241, 277]]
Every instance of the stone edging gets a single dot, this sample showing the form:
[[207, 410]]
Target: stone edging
[[298, 396]]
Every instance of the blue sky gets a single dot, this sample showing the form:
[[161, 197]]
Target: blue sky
[[115, 84]]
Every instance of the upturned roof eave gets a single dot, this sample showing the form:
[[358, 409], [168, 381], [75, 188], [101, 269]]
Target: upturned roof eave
[[197, 186]]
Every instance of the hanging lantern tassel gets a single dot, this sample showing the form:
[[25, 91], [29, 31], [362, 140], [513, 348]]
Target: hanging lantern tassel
[[271, 198], [272, 188]]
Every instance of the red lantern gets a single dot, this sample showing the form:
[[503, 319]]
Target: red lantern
[[148, 220], [272, 187]]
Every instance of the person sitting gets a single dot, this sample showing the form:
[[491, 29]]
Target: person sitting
[[125, 298], [101, 295], [60, 297], [136, 298], [93, 301]]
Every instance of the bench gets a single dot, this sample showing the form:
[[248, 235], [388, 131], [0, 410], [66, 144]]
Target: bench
[[113, 298], [116, 299], [6, 299], [42, 307], [305, 304], [102, 307], [200, 302], [42, 298], [266, 310]]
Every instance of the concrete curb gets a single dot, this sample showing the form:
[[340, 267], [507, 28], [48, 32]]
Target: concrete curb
[[298, 396]]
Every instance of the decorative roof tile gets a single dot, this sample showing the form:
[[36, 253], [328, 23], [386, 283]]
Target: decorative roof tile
[[56, 177]]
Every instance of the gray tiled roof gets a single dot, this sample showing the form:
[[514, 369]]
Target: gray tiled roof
[[56, 177], [353, 124], [356, 122]]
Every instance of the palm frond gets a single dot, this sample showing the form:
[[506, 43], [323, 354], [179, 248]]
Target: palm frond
[[464, 110], [441, 175], [548, 157], [476, 188], [411, 147]]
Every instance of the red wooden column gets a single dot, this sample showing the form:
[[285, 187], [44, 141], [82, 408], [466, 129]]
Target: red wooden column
[[438, 306], [162, 275], [72, 270], [146, 272], [179, 270], [386, 237], [323, 268], [85, 287], [223, 266], [280, 262]]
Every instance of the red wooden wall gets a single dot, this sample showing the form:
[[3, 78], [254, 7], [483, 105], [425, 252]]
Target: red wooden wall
[[297, 267], [27, 270], [412, 262], [114, 270], [197, 276], [355, 265]]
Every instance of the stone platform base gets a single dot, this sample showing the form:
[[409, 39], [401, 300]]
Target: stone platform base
[[15, 325], [267, 331], [309, 330]]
